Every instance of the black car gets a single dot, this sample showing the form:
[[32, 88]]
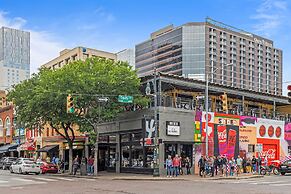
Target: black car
[[6, 163], [285, 167]]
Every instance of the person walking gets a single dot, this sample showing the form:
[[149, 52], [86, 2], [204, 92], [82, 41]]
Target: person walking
[[224, 166], [201, 165], [187, 165], [259, 164], [249, 165], [176, 165], [239, 162], [181, 165], [244, 164], [169, 166], [211, 165], [254, 163], [231, 166], [76, 165], [90, 166]]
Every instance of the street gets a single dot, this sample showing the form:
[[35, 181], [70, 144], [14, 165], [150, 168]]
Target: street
[[46, 184]]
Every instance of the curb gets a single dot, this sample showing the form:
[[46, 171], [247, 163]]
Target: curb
[[148, 179], [237, 178]]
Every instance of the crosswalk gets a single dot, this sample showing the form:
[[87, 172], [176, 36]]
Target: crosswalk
[[31, 180], [267, 181]]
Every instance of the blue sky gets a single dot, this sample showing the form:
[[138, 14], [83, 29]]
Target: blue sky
[[113, 25]]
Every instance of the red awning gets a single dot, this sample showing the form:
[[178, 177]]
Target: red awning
[[28, 146]]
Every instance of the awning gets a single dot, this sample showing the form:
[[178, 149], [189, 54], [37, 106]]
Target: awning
[[8, 148], [48, 148], [27, 146]]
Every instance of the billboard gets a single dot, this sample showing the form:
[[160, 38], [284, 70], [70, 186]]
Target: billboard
[[247, 136], [226, 135]]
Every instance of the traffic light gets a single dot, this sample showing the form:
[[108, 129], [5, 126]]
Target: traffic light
[[223, 99], [70, 104], [289, 93]]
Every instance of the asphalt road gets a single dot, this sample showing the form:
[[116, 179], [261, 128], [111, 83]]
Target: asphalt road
[[42, 184]]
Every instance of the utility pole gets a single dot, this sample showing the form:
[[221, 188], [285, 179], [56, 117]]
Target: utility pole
[[206, 115], [156, 152]]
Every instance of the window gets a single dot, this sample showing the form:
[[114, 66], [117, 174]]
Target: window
[[8, 126], [1, 128], [251, 148]]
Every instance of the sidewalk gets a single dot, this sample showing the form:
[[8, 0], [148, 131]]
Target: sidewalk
[[142, 177]]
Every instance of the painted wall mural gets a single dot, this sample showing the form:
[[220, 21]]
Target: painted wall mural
[[233, 135]]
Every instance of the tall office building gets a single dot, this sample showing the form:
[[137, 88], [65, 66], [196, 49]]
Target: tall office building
[[127, 55], [228, 55], [14, 57]]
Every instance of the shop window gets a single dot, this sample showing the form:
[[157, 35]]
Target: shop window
[[112, 139], [136, 137], [111, 157], [251, 148], [137, 156], [170, 150], [125, 156], [125, 137], [103, 139], [149, 157]]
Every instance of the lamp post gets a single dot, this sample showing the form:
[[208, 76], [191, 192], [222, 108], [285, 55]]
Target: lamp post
[[206, 106]]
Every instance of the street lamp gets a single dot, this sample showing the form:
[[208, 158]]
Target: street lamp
[[206, 105]]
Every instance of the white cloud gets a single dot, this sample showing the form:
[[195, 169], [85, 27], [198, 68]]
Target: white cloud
[[269, 15], [43, 45], [109, 17]]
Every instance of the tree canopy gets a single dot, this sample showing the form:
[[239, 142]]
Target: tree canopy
[[43, 97]]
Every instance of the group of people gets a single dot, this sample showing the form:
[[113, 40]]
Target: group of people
[[221, 165], [89, 163], [175, 166]]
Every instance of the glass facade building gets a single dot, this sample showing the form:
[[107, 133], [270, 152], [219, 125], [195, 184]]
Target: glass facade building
[[229, 56], [14, 56]]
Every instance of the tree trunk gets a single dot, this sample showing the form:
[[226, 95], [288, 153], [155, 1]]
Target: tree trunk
[[70, 157], [96, 154]]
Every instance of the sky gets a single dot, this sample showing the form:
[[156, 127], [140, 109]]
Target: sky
[[113, 25]]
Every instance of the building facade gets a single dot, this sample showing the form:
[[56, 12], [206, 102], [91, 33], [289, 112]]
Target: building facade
[[252, 125], [229, 56], [127, 55], [14, 56], [78, 53]]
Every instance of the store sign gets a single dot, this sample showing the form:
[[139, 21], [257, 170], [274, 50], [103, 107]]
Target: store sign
[[173, 128]]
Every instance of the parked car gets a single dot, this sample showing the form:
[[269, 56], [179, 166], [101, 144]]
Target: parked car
[[25, 166], [285, 167], [47, 167], [7, 162]]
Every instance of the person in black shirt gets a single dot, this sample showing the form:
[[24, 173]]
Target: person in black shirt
[[201, 165], [254, 164]]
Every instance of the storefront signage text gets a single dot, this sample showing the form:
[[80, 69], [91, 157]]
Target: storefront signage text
[[173, 128]]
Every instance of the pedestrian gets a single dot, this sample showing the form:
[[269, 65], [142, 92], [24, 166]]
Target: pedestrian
[[48, 159], [216, 164], [187, 165], [90, 165], [244, 164], [201, 165], [57, 162], [176, 165], [224, 166], [169, 166], [211, 165], [54, 160], [259, 164], [181, 165], [231, 166], [239, 162], [249, 165], [76, 165], [62, 166], [254, 163], [219, 165]]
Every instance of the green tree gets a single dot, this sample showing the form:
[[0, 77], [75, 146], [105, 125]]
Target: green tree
[[42, 99]]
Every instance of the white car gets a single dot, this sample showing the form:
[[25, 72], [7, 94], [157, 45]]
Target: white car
[[25, 166]]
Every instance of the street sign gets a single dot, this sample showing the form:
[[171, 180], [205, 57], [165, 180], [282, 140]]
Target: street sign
[[125, 99]]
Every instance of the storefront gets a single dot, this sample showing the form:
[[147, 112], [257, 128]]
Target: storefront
[[127, 145]]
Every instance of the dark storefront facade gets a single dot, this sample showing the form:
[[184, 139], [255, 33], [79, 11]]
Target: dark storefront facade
[[127, 145]]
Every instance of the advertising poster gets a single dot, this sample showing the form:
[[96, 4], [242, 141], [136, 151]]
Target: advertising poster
[[210, 132], [270, 148], [287, 132], [268, 129], [226, 135], [247, 135]]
